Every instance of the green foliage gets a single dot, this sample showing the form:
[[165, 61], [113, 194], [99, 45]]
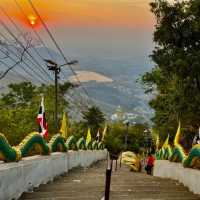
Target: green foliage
[[136, 137], [115, 138], [175, 79], [19, 108], [78, 129], [94, 119]]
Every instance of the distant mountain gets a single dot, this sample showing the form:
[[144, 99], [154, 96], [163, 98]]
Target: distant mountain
[[123, 91]]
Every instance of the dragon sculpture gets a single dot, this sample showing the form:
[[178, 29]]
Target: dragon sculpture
[[81, 144], [89, 145], [57, 144], [35, 144], [100, 145], [178, 154], [95, 145], [71, 143], [7, 152], [132, 160]]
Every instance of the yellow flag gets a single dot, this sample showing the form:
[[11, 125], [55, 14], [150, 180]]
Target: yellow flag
[[89, 137], [104, 132], [178, 133], [64, 126], [157, 142], [166, 142]]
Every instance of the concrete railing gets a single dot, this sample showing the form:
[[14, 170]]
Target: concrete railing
[[16, 178], [187, 176]]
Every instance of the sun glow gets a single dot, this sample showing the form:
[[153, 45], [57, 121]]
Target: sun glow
[[32, 20]]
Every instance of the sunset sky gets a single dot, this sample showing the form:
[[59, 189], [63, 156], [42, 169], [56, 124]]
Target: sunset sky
[[123, 13], [92, 29], [111, 39]]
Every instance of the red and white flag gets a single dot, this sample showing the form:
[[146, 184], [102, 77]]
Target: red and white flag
[[41, 120]]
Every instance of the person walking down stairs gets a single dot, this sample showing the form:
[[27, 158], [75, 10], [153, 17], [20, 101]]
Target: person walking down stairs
[[149, 164]]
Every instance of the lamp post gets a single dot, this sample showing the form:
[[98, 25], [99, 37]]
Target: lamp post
[[148, 139], [126, 122], [53, 66]]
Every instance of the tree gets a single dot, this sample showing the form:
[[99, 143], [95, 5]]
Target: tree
[[19, 108], [115, 137], [175, 79], [93, 118]]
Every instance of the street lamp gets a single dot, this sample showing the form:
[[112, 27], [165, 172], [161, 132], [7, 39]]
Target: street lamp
[[126, 122], [53, 66], [148, 139]]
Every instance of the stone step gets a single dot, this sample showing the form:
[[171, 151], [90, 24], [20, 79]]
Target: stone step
[[88, 184]]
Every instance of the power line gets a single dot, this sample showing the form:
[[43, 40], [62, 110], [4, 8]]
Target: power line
[[21, 44], [23, 62], [56, 44], [37, 35], [18, 74], [31, 75]]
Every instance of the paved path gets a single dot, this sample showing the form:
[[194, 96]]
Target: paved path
[[88, 184]]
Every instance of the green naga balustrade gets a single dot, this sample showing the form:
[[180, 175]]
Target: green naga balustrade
[[71, 143], [89, 145], [95, 145], [34, 144], [178, 154], [167, 153], [164, 153], [57, 144], [158, 154], [81, 144], [7, 152], [193, 158], [100, 145]]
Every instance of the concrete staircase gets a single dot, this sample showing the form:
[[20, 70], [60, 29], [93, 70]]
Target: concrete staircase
[[88, 184]]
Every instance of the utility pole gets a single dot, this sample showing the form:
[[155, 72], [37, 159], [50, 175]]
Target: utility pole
[[53, 66]]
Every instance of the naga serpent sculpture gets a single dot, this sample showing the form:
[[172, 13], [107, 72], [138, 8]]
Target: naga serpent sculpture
[[178, 154], [35, 144]]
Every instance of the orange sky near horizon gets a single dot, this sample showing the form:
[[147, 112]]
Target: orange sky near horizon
[[109, 13]]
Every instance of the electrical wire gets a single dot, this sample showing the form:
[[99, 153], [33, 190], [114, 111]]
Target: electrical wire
[[24, 69], [13, 70], [22, 46], [37, 35], [21, 33], [57, 46]]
